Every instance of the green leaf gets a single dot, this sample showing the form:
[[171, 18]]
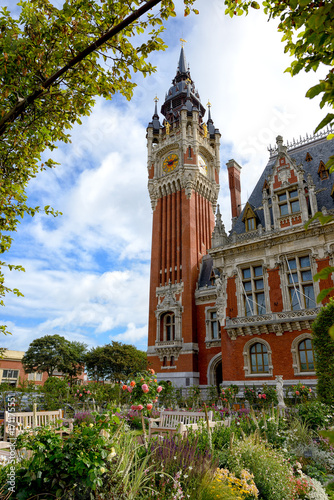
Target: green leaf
[[324, 294], [323, 274], [328, 119], [331, 332]]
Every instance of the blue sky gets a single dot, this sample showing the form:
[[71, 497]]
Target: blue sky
[[87, 271]]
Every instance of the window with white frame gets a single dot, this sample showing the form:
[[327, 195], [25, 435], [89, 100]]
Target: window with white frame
[[169, 327], [253, 290], [257, 358], [303, 357], [300, 283], [288, 202], [213, 325], [35, 376], [306, 355], [10, 374]]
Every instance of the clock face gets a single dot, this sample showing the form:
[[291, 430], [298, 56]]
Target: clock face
[[170, 163], [203, 168]]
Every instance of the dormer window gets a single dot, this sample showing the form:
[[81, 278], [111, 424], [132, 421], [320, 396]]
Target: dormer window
[[323, 171], [249, 218], [308, 157], [250, 224], [288, 202]]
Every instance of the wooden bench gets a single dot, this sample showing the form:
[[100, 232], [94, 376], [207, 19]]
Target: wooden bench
[[16, 423], [171, 422]]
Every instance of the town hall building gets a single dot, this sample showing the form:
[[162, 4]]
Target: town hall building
[[233, 308]]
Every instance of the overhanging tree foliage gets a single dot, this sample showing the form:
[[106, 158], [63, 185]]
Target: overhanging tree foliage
[[50, 78], [308, 32], [53, 352], [324, 352], [115, 362]]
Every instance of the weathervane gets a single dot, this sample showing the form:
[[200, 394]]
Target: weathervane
[[182, 40]]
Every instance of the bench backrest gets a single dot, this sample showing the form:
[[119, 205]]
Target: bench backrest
[[15, 423], [172, 419]]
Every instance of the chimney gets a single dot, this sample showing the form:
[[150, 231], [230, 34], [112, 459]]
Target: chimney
[[235, 189]]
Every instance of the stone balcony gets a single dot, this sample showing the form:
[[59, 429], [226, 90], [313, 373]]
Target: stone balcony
[[168, 348], [278, 323]]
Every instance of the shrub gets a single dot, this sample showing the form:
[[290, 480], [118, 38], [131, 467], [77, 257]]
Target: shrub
[[183, 461], [272, 474], [84, 417], [315, 414], [70, 468], [242, 488], [324, 352]]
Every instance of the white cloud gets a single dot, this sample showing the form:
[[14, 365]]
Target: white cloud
[[88, 270]]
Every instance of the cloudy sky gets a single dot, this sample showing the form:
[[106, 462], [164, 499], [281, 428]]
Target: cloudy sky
[[87, 271]]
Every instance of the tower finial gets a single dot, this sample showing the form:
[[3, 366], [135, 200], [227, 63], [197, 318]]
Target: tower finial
[[156, 107], [209, 111], [183, 41]]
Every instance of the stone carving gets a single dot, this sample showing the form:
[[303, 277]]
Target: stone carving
[[280, 393]]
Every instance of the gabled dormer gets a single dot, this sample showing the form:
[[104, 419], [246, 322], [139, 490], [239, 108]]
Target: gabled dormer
[[323, 171], [249, 218], [288, 190]]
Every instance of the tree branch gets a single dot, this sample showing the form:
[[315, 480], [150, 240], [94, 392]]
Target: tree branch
[[21, 106]]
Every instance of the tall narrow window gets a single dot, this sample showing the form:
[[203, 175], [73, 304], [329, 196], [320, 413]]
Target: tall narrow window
[[259, 358], [300, 283], [253, 290], [169, 327], [214, 330], [306, 356]]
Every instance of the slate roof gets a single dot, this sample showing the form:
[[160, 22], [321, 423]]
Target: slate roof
[[205, 273], [320, 150]]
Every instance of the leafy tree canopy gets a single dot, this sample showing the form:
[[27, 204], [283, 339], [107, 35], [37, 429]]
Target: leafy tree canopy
[[53, 352], [324, 352], [53, 64], [116, 362], [308, 32]]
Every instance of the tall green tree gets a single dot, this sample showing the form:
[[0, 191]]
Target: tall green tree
[[53, 352], [53, 64], [116, 362], [324, 352], [307, 27]]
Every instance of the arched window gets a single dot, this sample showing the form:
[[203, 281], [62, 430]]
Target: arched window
[[169, 327], [172, 361], [259, 358], [164, 361], [306, 355]]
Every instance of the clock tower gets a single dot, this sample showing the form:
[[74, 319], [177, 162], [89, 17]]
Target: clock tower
[[183, 171]]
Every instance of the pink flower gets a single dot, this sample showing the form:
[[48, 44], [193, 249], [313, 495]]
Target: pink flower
[[129, 389], [88, 392], [159, 388], [264, 396], [149, 406], [145, 388], [80, 395], [260, 396], [140, 407], [133, 407], [124, 387]]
